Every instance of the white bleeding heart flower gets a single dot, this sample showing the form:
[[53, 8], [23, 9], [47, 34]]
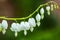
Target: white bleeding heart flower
[[38, 17], [38, 24], [32, 22], [48, 9], [15, 28], [52, 8], [42, 11], [4, 26], [24, 26]]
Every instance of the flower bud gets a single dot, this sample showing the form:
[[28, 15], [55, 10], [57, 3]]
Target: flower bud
[[48, 10], [42, 11], [52, 8], [38, 17]]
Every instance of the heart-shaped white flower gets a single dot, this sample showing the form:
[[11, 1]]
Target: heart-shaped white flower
[[38, 18], [24, 26], [42, 13], [4, 26], [15, 28], [48, 8], [32, 23]]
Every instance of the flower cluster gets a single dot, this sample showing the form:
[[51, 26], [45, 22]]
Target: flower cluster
[[31, 23], [27, 25]]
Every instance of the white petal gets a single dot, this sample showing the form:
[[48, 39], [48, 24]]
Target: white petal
[[38, 17], [42, 10], [38, 24], [25, 32], [16, 34], [31, 29], [4, 31], [48, 8], [4, 24], [32, 22]]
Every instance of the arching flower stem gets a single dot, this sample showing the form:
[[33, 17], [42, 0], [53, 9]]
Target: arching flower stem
[[23, 18]]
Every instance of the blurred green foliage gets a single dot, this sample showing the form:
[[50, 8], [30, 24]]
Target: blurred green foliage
[[25, 7]]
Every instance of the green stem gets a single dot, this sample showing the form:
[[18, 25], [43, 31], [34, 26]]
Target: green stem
[[3, 17]]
